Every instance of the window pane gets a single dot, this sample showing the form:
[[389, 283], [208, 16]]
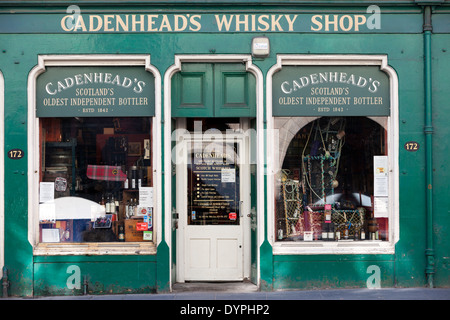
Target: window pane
[[213, 184], [93, 171], [334, 181]]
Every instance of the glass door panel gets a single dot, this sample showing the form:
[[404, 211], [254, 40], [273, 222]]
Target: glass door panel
[[213, 184]]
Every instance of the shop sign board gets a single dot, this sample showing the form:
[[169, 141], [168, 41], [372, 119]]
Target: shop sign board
[[98, 91], [330, 91], [367, 20]]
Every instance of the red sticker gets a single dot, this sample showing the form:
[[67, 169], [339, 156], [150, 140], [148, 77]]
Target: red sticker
[[142, 226], [232, 215]]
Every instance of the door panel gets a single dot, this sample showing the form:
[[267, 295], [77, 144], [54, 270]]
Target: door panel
[[213, 90], [227, 253], [213, 253], [213, 229], [192, 91], [235, 91], [199, 253]]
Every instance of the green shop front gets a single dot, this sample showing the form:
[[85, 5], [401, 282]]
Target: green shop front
[[287, 144]]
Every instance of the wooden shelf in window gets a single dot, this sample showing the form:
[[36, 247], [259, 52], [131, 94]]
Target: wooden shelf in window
[[95, 248]]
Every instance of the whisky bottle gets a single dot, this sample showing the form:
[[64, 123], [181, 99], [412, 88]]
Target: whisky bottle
[[363, 234], [108, 205], [125, 183], [121, 233], [127, 210]]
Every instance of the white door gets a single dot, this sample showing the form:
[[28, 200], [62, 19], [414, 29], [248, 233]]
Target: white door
[[212, 204]]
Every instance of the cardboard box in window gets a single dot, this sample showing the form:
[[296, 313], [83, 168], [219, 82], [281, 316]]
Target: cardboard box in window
[[131, 234]]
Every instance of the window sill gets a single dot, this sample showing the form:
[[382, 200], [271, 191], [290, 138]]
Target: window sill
[[98, 248], [338, 247]]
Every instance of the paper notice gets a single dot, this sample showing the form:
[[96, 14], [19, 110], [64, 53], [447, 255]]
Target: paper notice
[[50, 235], [46, 191], [47, 211], [228, 175], [380, 176], [380, 208], [146, 197]]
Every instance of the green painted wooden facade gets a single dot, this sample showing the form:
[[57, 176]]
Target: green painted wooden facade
[[421, 59]]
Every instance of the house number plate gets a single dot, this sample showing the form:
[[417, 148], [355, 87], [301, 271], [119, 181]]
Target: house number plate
[[15, 154], [411, 146]]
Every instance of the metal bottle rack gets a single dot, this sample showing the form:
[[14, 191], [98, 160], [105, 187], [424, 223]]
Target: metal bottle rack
[[303, 201]]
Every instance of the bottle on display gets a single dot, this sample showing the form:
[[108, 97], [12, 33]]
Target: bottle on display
[[127, 211], [327, 213], [135, 207], [140, 176], [331, 231], [114, 207], [280, 231], [362, 234], [130, 208], [108, 205], [346, 232], [125, 183], [121, 233], [111, 204], [133, 177], [325, 228], [102, 202], [117, 206]]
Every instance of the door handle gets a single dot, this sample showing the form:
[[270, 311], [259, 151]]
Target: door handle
[[241, 214], [175, 217]]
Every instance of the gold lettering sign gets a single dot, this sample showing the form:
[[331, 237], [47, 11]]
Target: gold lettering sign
[[330, 91]]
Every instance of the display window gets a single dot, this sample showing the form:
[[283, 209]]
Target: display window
[[335, 162], [333, 184], [96, 181], [92, 141]]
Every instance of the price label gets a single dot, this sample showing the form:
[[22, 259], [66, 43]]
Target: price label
[[15, 154], [411, 146]]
